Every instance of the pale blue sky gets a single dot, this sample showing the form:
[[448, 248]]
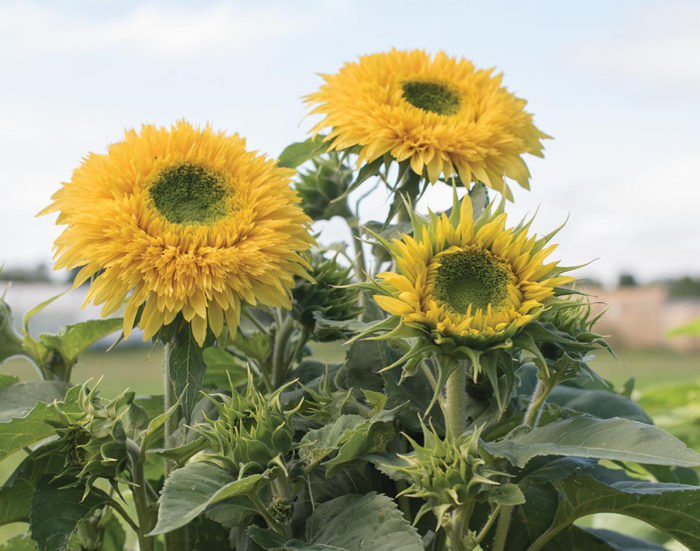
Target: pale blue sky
[[616, 83]]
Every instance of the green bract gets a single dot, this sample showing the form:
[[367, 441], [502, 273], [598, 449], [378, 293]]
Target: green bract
[[251, 430]]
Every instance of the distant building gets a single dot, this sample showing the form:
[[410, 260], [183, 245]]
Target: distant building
[[638, 317]]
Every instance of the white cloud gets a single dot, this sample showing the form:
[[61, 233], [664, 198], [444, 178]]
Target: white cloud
[[155, 30], [658, 46]]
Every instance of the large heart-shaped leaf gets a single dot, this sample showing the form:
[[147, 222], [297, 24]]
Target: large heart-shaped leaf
[[616, 439], [57, 510], [190, 490], [349, 523], [672, 508], [19, 400]]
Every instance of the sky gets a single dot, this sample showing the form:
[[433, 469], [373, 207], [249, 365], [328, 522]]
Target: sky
[[616, 83]]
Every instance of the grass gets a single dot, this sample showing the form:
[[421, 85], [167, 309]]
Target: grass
[[140, 369]]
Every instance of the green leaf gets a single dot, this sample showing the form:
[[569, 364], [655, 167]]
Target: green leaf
[[256, 345], [114, 536], [367, 171], [672, 508], [319, 443], [507, 494], [361, 522], [24, 431], [7, 380], [598, 403], [220, 366], [190, 490], [19, 399], [616, 439], [187, 367], [19, 543], [38, 308], [300, 152], [72, 341], [18, 490], [57, 510], [351, 436], [621, 542]]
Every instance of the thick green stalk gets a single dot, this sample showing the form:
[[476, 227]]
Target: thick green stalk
[[460, 526], [501, 537], [144, 510], [456, 402], [280, 359], [360, 261], [177, 539], [538, 397]]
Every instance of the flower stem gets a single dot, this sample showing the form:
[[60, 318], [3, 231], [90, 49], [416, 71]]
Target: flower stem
[[280, 360], [144, 511], [501, 537], [456, 403], [540, 394], [360, 261], [489, 523], [177, 539]]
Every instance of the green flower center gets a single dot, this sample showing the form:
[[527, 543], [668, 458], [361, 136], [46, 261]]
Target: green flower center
[[471, 277], [189, 194], [434, 97]]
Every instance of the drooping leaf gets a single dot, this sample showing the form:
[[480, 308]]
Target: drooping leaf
[[190, 490], [349, 523], [352, 436], [57, 510], [359, 522], [74, 339], [18, 400], [671, 508], [621, 542], [616, 439], [300, 152], [24, 431], [598, 403]]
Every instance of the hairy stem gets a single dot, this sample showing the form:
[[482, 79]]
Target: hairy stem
[[538, 397], [501, 537], [144, 511], [489, 523], [360, 261], [460, 525], [456, 402], [177, 539], [280, 359], [540, 542]]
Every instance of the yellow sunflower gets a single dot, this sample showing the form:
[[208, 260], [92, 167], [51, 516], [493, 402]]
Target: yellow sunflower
[[439, 112], [181, 220], [476, 281]]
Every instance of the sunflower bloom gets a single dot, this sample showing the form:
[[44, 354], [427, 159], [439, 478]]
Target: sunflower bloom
[[476, 282], [181, 220], [439, 113]]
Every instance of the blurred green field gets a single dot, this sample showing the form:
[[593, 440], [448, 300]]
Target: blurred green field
[[140, 368]]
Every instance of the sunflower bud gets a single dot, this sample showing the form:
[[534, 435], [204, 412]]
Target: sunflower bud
[[328, 297], [322, 187], [446, 473], [250, 432], [93, 438]]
